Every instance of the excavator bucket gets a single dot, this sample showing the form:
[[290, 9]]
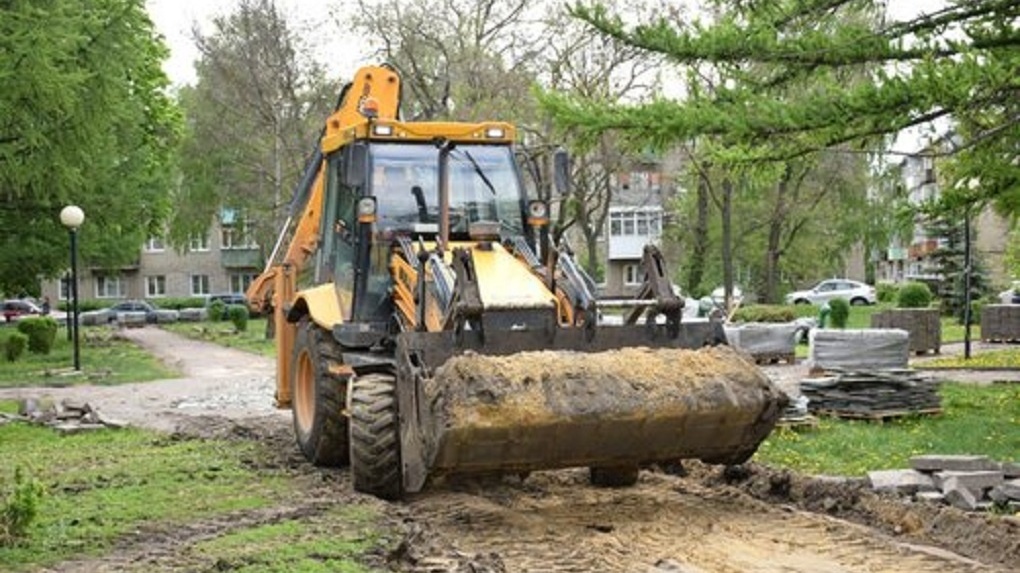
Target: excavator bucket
[[627, 397]]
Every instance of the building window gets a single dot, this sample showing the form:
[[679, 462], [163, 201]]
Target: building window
[[199, 242], [632, 275], [199, 285], [109, 287], [239, 282], [626, 222], [155, 286], [236, 237], [154, 245]]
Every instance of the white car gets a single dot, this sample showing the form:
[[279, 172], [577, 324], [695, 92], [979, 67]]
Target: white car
[[854, 292]]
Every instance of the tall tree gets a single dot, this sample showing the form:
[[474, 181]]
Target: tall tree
[[802, 51], [84, 119], [251, 121]]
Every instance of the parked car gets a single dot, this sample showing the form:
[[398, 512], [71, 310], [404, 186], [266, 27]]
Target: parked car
[[16, 308], [854, 292], [153, 315]]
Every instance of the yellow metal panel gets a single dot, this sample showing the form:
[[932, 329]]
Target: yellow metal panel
[[323, 305], [504, 282]]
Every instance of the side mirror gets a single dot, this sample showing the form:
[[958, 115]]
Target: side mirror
[[355, 165], [561, 171]]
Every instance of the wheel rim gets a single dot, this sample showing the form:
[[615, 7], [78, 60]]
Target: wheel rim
[[304, 392]]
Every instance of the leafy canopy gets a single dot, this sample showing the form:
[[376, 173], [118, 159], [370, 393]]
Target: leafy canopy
[[84, 119]]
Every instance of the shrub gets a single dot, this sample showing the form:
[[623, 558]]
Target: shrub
[[177, 303], [217, 310], [764, 313], [19, 508], [41, 332], [239, 316], [886, 292], [15, 346], [914, 295], [839, 312]]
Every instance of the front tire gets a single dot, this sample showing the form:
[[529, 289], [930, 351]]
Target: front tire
[[318, 400], [375, 438]]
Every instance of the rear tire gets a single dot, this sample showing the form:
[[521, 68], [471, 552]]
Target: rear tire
[[624, 476], [318, 397], [375, 444], [859, 302]]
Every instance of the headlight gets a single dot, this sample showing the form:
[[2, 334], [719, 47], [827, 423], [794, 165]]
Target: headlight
[[538, 213], [366, 210]]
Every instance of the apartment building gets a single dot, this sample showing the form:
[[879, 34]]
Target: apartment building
[[224, 260], [635, 218], [911, 259]]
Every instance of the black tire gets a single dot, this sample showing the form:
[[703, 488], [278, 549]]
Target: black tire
[[623, 476], [858, 301], [802, 301], [318, 397], [375, 437]]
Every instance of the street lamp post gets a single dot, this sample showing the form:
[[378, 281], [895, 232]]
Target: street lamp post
[[72, 217]]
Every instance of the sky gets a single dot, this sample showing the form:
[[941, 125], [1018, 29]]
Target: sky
[[175, 20]]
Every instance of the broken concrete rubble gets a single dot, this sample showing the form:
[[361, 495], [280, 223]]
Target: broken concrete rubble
[[960, 481], [66, 417]]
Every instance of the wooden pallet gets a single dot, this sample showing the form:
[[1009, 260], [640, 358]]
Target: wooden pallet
[[774, 357], [877, 415], [808, 422]]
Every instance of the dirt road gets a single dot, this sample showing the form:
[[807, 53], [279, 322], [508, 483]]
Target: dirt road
[[747, 520]]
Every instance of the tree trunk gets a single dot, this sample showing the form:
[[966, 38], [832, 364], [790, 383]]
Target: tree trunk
[[699, 250], [773, 249], [727, 241]]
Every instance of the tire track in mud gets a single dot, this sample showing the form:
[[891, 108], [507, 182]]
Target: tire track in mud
[[164, 546], [557, 522]]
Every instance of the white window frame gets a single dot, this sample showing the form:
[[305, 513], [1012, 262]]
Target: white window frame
[[632, 274], [155, 245], [198, 243], [199, 285], [155, 286], [239, 282], [109, 286], [636, 222], [237, 236]]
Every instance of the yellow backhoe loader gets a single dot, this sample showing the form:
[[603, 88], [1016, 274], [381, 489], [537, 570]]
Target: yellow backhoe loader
[[426, 327]]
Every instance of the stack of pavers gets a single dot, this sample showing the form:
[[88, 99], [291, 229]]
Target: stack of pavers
[[872, 394], [967, 482]]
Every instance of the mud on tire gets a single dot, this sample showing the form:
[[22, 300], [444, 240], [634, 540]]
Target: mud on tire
[[375, 444], [319, 397]]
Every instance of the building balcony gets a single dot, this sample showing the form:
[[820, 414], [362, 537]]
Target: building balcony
[[241, 258], [922, 248]]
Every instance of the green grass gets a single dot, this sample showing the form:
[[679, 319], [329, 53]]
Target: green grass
[[222, 332], [326, 542], [975, 420], [105, 359], [105, 485], [1009, 358]]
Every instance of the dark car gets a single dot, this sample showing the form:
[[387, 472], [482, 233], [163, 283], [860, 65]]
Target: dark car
[[16, 308]]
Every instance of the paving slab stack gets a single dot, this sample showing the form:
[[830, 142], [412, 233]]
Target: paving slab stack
[[968, 482], [765, 339], [864, 373]]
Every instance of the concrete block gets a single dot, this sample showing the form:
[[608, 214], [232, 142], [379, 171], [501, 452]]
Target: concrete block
[[1010, 489], [1011, 469], [960, 497], [974, 481], [936, 463], [930, 496], [900, 481]]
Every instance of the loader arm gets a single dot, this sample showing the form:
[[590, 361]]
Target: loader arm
[[272, 292]]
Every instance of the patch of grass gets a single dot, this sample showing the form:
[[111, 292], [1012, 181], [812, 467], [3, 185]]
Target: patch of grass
[[105, 484], [1008, 358], [105, 359], [975, 420], [323, 543], [223, 333], [953, 331]]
